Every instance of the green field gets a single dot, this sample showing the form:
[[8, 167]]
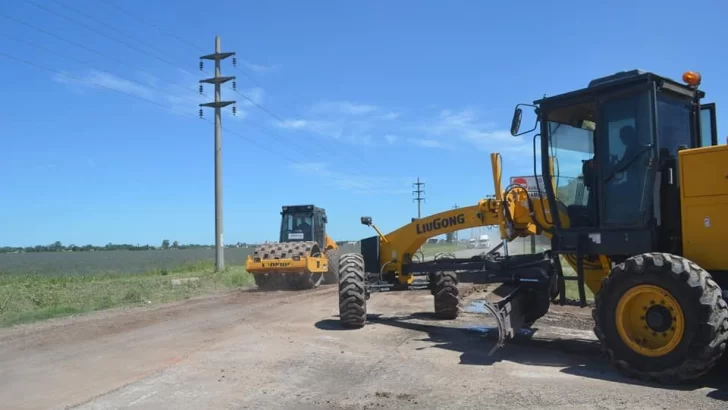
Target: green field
[[36, 286], [42, 285], [113, 262], [31, 297]]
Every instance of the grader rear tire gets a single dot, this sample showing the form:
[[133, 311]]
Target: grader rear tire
[[332, 276], [660, 317], [352, 291], [446, 295]]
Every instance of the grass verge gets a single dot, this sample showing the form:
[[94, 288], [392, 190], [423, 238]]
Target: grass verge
[[30, 298]]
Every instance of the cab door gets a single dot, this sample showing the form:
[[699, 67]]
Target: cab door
[[708, 126]]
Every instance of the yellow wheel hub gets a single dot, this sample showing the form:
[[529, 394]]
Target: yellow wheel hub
[[650, 321]]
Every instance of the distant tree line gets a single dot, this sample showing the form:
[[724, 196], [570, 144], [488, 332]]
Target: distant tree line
[[59, 247]]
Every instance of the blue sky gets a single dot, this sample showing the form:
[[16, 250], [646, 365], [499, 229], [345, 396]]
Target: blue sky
[[371, 95]]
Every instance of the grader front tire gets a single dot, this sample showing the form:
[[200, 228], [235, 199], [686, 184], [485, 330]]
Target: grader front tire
[[661, 317], [352, 291], [446, 295]]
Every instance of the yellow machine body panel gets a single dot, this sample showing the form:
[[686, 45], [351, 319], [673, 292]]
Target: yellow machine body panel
[[330, 244], [302, 265], [704, 205]]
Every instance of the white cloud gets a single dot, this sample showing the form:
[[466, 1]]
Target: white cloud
[[261, 68], [176, 97], [293, 124], [466, 126], [428, 143], [390, 116], [343, 107], [391, 138], [356, 184], [353, 132], [102, 79]]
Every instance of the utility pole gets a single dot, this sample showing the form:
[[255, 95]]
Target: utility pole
[[217, 80], [454, 234], [419, 198]]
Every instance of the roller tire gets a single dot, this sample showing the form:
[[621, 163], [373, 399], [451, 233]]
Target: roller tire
[[352, 291], [332, 276], [264, 282], [446, 294], [704, 310]]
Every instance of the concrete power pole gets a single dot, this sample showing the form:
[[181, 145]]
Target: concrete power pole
[[454, 235], [218, 80], [419, 198]]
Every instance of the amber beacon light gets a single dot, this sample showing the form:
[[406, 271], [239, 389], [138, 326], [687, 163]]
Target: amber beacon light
[[691, 78]]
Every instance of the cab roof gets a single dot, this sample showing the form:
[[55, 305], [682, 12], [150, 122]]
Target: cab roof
[[613, 82], [302, 208]]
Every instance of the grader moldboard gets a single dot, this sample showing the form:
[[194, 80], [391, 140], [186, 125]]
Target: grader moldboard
[[635, 202], [303, 257]]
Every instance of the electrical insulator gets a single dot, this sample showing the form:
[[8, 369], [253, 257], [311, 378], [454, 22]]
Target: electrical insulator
[[200, 112], [202, 65], [235, 85], [235, 61], [235, 110], [201, 89]]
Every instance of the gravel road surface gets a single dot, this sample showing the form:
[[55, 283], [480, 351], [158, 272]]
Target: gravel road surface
[[255, 350]]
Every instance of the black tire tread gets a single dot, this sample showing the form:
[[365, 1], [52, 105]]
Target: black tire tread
[[710, 339], [446, 295], [332, 276], [352, 291]]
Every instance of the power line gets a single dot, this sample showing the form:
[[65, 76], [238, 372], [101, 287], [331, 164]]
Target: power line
[[234, 89], [109, 26], [82, 62], [16, 20], [243, 72], [282, 121], [36, 65], [114, 5], [149, 85], [169, 107], [133, 47], [180, 39]]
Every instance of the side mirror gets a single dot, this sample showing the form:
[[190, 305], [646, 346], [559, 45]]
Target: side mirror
[[518, 117], [516, 121], [366, 220]]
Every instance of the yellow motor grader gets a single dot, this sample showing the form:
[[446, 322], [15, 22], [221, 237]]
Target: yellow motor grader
[[302, 258], [635, 201]]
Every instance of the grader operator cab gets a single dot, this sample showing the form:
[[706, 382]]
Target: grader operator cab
[[635, 204], [304, 257]]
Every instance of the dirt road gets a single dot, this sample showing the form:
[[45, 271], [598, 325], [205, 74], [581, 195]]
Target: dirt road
[[255, 350]]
